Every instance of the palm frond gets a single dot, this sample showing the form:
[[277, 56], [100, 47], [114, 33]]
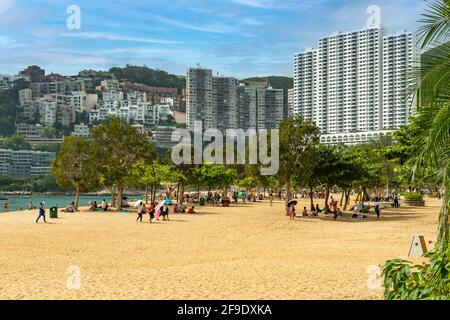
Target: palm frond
[[435, 23]]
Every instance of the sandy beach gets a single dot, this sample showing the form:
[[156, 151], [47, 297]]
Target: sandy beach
[[251, 251]]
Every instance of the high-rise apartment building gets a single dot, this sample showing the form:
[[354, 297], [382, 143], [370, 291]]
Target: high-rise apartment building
[[224, 103], [399, 56], [199, 105], [353, 85]]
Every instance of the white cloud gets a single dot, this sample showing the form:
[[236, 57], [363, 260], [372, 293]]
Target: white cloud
[[255, 3], [213, 28], [116, 37]]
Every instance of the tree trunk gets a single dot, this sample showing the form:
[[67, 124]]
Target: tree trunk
[[182, 194], [327, 195], [443, 226], [178, 191], [154, 192], [347, 195], [311, 198], [363, 193], [288, 195], [119, 196], [113, 196], [342, 197], [77, 195], [146, 193]]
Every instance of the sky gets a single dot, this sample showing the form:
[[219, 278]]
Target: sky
[[239, 38]]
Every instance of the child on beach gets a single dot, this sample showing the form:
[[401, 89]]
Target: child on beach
[[292, 212], [41, 212], [304, 212], [5, 206], [191, 210], [165, 212]]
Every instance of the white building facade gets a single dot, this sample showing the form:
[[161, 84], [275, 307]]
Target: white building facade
[[355, 82]]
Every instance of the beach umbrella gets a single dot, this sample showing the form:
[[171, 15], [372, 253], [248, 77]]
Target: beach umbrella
[[292, 202], [167, 201], [158, 210]]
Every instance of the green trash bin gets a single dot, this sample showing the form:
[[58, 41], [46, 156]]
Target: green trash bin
[[202, 201], [54, 212]]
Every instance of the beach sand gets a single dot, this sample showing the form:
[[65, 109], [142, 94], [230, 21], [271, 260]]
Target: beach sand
[[251, 251]]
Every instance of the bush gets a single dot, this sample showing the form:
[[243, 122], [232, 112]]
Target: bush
[[413, 196], [406, 281]]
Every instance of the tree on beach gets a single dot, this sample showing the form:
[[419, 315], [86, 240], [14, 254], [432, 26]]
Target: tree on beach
[[298, 139], [430, 150], [118, 146], [74, 166], [328, 168], [215, 176]]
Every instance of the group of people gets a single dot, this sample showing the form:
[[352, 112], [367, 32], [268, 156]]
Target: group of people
[[164, 210], [93, 206]]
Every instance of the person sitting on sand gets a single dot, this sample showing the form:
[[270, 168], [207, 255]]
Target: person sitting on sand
[[191, 210], [165, 212], [175, 208], [69, 208], [91, 206], [104, 205], [317, 209], [304, 212], [31, 206]]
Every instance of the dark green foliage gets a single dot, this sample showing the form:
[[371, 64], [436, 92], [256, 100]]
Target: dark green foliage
[[15, 142], [413, 196], [406, 281], [151, 77]]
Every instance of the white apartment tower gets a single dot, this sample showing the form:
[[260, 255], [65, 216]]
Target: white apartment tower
[[342, 84], [400, 56]]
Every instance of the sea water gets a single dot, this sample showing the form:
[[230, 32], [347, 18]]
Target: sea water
[[21, 202]]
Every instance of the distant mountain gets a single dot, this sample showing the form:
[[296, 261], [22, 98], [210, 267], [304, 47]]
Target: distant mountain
[[277, 82], [148, 76]]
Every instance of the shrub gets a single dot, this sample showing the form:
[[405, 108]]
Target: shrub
[[405, 281], [413, 196]]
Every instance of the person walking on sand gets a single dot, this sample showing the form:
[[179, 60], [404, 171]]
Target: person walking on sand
[[377, 207], [165, 212], [141, 210], [41, 212], [151, 211], [292, 212]]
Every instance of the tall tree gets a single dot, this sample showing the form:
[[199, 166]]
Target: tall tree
[[118, 146], [74, 166], [298, 139]]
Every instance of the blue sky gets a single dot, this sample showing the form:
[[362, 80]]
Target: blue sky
[[234, 37]]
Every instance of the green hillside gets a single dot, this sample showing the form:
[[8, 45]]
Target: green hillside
[[151, 77]]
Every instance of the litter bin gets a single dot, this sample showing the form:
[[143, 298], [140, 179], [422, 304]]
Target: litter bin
[[54, 212], [202, 201]]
